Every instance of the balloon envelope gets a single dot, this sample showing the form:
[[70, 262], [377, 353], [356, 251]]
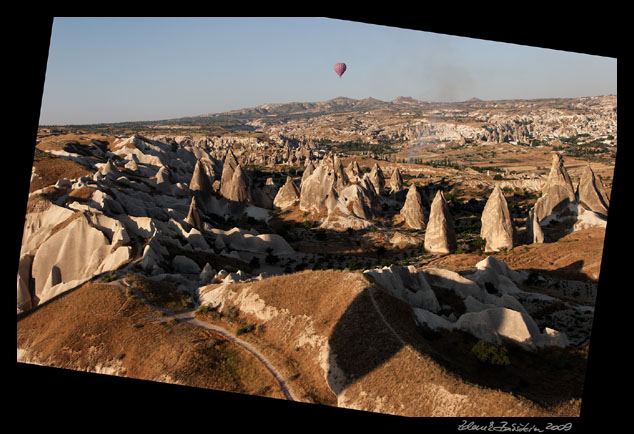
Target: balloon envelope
[[340, 68]]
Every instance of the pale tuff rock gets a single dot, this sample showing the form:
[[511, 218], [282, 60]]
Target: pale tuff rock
[[498, 324], [587, 219], [287, 195], [228, 167], [396, 181], [200, 183], [358, 201], [193, 216], [499, 268], [455, 282], [110, 170], [592, 193], [377, 179], [341, 179], [493, 318], [37, 225], [310, 168], [405, 284], [353, 171], [317, 187], [555, 338], [331, 200], [132, 165], [534, 232], [440, 236], [412, 211], [559, 175], [246, 241], [25, 283], [497, 226], [559, 202], [79, 251], [239, 188], [557, 193]]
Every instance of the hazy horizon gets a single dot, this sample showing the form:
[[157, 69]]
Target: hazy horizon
[[110, 70]]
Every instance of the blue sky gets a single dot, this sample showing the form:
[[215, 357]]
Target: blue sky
[[133, 69]]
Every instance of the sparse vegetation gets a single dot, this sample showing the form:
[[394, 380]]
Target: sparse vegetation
[[491, 354]]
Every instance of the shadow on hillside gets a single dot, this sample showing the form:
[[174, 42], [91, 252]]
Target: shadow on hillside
[[362, 344]]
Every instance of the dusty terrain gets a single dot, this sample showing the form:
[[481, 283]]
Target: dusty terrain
[[141, 239]]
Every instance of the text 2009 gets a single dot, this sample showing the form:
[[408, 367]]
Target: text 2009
[[564, 427]]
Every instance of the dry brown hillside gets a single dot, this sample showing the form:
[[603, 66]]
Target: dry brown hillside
[[332, 336], [103, 328], [576, 256], [345, 342]]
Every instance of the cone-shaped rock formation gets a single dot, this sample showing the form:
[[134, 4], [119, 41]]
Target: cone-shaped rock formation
[[440, 236], [497, 226], [412, 211]]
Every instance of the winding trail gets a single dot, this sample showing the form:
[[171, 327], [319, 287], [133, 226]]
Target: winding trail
[[189, 317]]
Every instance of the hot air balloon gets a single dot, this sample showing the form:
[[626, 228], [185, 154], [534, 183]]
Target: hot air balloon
[[340, 68]]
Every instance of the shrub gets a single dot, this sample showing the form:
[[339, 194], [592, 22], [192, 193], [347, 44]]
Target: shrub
[[308, 224], [353, 265], [110, 277], [497, 177], [478, 243], [491, 354], [231, 312], [246, 329]]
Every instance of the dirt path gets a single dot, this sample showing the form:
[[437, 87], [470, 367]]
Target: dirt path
[[189, 317]]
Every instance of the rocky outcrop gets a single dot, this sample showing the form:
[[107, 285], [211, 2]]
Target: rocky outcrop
[[497, 229], [288, 195], [534, 232], [310, 168], [359, 201], [193, 215], [377, 179], [228, 167], [200, 183], [440, 235], [500, 324], [557, 193], [78, 251], [495, 318], [559, 202], [592, 193], [396, 181], [412, 211], [239, 188], [406, 284], [328, 175], [353, 172]]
